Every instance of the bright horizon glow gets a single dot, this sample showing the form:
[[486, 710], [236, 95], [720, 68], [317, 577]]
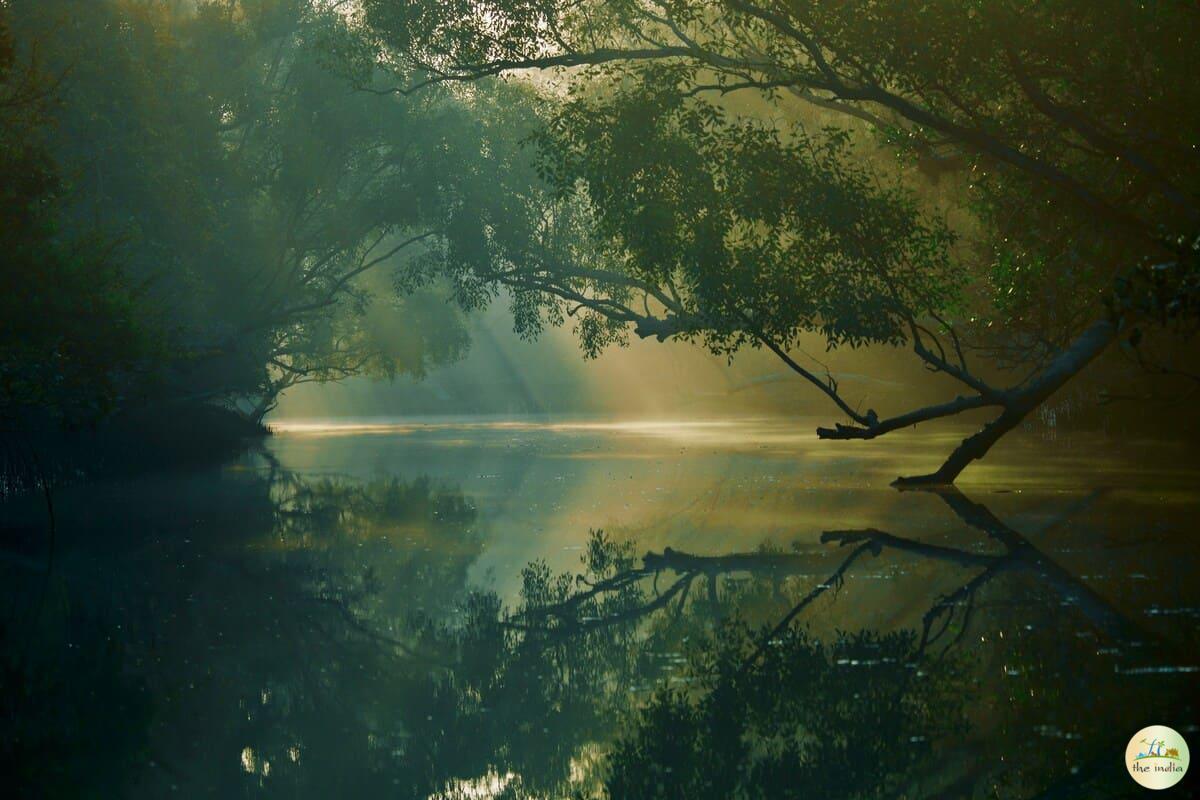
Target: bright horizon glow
[[402, 424]]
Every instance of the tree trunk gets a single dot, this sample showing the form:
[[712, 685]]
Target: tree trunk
[[265, 405], [972, 448], [1019, 403]]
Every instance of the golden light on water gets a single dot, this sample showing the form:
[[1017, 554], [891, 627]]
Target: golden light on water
[[493, 784]]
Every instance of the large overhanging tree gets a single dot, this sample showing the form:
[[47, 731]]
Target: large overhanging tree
[[341, 184], [1068, 125], [207, 210]]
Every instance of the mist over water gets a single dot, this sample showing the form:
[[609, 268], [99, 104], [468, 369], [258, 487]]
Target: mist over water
[[503, 375]]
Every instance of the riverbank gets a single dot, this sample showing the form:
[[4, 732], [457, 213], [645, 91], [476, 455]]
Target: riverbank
[[167, 437]]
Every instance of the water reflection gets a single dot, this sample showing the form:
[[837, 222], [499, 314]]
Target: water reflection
[[286, 627], [783, 710]]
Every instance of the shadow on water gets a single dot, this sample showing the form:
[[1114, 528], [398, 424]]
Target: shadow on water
[[260, 632]]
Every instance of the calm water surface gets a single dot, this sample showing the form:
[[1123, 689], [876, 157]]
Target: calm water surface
[[461, 609]]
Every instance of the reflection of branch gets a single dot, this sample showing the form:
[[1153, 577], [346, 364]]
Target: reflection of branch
[[563, 609], [960, 557], [676, 561], [1018, 556], [835, 580], [689, 567], [587, 624], [1098, 610], [345, 614], [355, 623], [946, 605]]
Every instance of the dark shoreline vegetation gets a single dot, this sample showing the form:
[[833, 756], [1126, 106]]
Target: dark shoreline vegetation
[[128, 444], [904, 220]]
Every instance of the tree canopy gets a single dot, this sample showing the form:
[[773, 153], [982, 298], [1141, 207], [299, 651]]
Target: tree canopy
[[228, 193], [228, 197], [74, 324], [810, 209]]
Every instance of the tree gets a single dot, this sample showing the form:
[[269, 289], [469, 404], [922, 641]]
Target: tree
[[222, 163], [342, 183], [1065, 126], [76, 333]]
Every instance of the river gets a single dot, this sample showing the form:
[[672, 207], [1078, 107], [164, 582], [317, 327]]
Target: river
[[364, 608]]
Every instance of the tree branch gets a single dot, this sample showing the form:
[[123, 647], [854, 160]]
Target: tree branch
[[869, 431]]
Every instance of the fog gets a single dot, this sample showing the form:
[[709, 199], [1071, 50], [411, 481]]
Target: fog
[[502, 374]]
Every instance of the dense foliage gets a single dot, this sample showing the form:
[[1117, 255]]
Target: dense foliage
[[208, 205], [1069, 219], [226, 194], [73, 322]]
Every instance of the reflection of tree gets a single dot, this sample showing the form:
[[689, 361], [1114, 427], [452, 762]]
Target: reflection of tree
[[414, 535], [1019, 555], [51, 722], [779, 712], [525, 701], [536, 688], [325, 644], [257, 613], [845, 718], [327, 679]]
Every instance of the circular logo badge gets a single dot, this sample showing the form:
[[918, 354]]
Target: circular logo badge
[[1157, 757]]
